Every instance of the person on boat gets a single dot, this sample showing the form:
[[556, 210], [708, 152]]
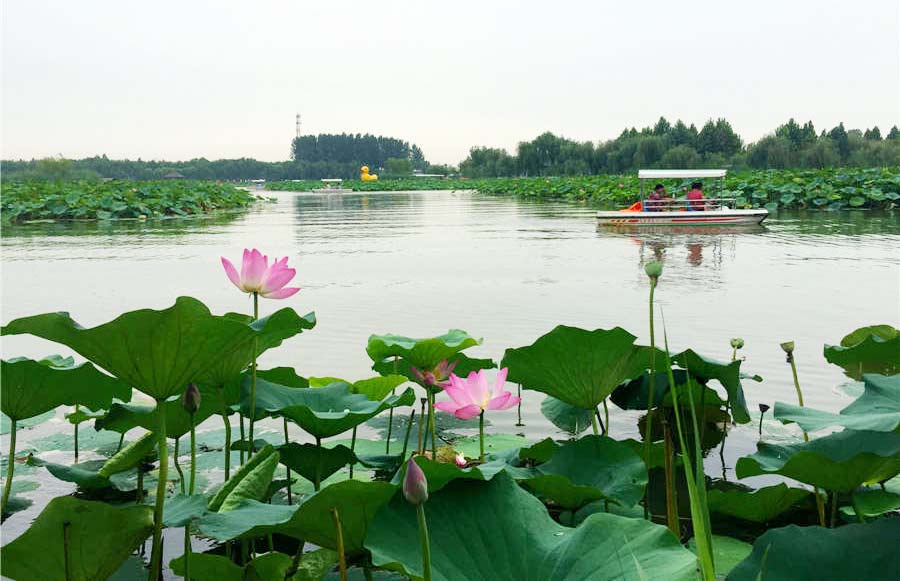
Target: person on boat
[[654, 202], [695, 198]]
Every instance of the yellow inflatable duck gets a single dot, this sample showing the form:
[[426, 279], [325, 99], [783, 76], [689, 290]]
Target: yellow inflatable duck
[[365, 176]]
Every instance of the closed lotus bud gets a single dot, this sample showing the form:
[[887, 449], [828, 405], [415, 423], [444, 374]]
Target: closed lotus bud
[[653, 269], [190, 401], [460, 461], [763, 408], [737, 343], [415, 486]]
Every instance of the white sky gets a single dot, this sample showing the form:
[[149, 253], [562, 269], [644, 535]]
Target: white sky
[[177, 80]]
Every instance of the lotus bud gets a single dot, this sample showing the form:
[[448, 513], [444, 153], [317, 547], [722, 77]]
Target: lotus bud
[[763, 408], [415, 486], [737, 343], [460, 461], [190, 401], [653, 269]]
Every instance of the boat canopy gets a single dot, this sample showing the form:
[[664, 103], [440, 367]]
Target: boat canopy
[[645, 174]]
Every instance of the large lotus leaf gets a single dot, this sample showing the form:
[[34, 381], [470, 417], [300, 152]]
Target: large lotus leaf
[[311, 461], [495, 530], [760, 506], [270, 332], [792, 553], [99, 538], [464, 365], [377, 388], [727, 374], [635, 394], [727, 553], [123, 417], [577, 366], [588, 469], [31, 387], [873, 502], [283, 376], [440, 474], [314, 565], [568, 418], [182, 509], [243, 472], [423, 353], [204, 567], [356, 502], [841, 461], [86, 474], [877, 409], [873, 349], [157, 352], [322, 412]]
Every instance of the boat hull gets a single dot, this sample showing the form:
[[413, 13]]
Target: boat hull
[[682, 218]]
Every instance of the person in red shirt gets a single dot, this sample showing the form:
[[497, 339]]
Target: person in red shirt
[[654, 202], [695, 198]]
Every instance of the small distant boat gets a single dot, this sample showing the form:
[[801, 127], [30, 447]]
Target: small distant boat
[[681, 212], [332, 186]]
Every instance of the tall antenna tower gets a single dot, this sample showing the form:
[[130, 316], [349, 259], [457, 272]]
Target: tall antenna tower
[[298, 124]]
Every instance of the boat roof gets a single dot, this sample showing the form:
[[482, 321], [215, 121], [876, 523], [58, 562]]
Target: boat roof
[[681, 173]]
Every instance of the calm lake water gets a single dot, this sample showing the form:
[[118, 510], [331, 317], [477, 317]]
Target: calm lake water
[[419, 263]]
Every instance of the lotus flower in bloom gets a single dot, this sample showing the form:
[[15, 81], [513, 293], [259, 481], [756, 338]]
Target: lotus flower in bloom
[[258, 276], [436, 376], [415, 485], [473, 395], [460, 461]]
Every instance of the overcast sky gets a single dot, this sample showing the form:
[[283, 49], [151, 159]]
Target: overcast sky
[[177, 80]]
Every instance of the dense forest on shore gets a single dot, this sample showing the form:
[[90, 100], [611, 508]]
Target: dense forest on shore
[[665, 145]]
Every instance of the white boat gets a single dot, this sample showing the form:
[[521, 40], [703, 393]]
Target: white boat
[[332, 186], [682, 212]]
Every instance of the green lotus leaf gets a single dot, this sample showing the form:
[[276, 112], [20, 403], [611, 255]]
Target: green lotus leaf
[[540, 452], [588, 469], [122, 417], [857, 551], [494, 444], [378, 388], [577, 366], [727, 553], [760, 505], [31, 388], [874, 349], [464, 366], [243, 472], [270, 332], [315, 462], [877, 409], [838, 462], [506, 534], [206, 567], [440, 474], [727, 374], [182, 509], [322, 412], [568, 418], [313, 566], [86, 474], [286, 376], [356, 502], [157, 352], [253, 484], [872, 502], [100, 538], [131, 455], [422, 353]]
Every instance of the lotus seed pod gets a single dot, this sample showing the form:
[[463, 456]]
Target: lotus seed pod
[[763, 408], [788, 347], [737, 343], [653, 269]]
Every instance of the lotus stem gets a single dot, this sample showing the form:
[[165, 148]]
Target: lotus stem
[[519, 405], [243, 438], [121, 441], [187, 552], [353, 449], [671, 500], [227, 423], [480, 436], [426, 546], [387, 444], [253, 377], [10, 467], [156, 553], [181, 480], [422, 422], [648, 424], [761, 416], [193, 455], [594, 417], [288, 470], [76, 432], [317, 482], [605, 418], [140, 487], [412, 417], [433, 425], [342, 559]]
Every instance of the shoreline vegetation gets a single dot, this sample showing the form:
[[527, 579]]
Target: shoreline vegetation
[[115, 200]]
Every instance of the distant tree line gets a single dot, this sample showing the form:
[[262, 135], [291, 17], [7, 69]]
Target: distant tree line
[[664, 145], [684, 146]]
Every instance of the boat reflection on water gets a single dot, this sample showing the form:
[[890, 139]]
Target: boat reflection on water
[[702, 245]]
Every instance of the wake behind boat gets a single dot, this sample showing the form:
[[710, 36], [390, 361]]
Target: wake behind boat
[[690, 211]]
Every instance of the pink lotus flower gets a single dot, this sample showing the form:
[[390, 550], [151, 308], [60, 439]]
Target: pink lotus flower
[[472, 395], [436, 376], [460, 461], [415, 485], [257, 276]]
